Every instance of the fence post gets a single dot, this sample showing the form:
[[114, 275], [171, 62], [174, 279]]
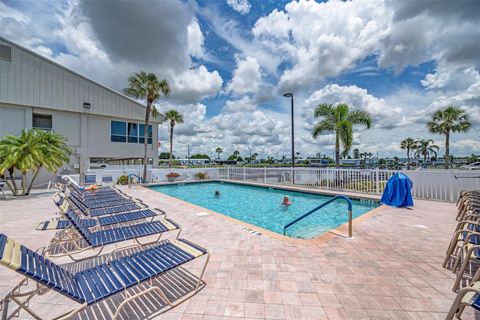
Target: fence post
[[228, 172], [264, 174], [452, 182], [243, 173], [291, 175], [377, 181], [328, 177]]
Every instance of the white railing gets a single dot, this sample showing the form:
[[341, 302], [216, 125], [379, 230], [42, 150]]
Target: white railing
[[444, 185]]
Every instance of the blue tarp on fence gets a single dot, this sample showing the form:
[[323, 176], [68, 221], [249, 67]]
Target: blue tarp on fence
[[398, 191]]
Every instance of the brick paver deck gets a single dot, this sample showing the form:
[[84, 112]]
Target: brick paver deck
[[390, 270]]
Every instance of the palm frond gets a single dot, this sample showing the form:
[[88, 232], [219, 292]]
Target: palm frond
[[323, 127], [360, 117]]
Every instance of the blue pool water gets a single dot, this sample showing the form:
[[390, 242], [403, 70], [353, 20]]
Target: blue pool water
[[262, 206]]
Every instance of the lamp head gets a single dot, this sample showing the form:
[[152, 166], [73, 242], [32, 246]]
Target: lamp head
[[288, 95]]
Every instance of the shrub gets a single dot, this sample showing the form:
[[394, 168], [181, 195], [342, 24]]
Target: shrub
[[123, 179], [201, 176]]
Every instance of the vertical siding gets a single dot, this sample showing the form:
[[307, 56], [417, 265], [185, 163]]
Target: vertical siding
[[33, 81]]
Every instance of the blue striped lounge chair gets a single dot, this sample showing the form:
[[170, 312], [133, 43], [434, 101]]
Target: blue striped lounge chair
[[90, 179], [73, 185], [462, 231], [109, 210], [466, 297], [100, 221], [66, 242], [467, 255], [60, 200], [101, 202], [107, 180], [94, 194], [98, 282]]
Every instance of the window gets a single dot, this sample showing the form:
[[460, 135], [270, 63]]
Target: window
[[42, 121], [5, 52], [132, 132], [118, 131], [129, 132], [149, 133]]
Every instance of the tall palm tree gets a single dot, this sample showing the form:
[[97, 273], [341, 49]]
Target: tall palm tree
[[143, 85], [448, 120], [408, 144], [173, 117], [426, 147], [218, 151], [340, 120], [32, 150]]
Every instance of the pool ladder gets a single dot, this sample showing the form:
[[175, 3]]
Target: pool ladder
[[350, 218]]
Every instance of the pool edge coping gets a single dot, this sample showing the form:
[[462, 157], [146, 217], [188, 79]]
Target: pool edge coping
[[340, 231]]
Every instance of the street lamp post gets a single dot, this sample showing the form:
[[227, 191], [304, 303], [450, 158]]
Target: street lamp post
[[290, 95]]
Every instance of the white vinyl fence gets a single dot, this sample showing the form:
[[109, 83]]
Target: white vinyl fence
[[444, 185]]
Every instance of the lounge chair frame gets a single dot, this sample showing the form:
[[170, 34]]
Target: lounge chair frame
[[16, 295]]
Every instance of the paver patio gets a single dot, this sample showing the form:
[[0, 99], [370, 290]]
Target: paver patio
[[390, 270]]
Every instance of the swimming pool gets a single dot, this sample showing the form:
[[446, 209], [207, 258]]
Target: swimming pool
[[262, 207]]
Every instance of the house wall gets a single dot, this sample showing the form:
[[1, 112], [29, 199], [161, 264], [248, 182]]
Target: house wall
[[30, 83], [87, 135], [31, 80]]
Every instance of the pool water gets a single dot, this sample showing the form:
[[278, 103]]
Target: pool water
[[262, 207]]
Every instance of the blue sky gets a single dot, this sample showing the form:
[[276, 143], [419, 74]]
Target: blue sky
[[229, 61]]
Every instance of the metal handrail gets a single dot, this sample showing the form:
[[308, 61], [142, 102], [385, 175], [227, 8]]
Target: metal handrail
[[138, 177], [349, 202]]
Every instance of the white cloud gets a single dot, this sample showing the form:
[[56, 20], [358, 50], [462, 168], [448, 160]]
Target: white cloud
[[195, 39], [451, 78], [446, 32], [468, 145], [383, 115], [195, 84], [94, 45], [247, 80], [246, 77], [240, 125], [321, 39], [241, 6]]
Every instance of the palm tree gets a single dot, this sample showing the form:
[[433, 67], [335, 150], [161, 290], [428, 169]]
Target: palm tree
[[143, 85], [340, 120], [31, 150], [235, 154], [173, 117], [448, 120], [218, 151], [408, 144], [425, 147]]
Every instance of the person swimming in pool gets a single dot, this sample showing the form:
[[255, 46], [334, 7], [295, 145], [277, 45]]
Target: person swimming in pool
[[286, 202], [217, 193]]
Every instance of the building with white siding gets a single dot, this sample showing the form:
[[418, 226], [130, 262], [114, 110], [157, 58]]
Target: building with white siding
[[99, 123]]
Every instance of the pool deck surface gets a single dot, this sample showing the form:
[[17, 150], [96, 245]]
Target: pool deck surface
[[391, 269]]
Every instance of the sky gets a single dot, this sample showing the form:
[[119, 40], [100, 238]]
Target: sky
[[228, 63]]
